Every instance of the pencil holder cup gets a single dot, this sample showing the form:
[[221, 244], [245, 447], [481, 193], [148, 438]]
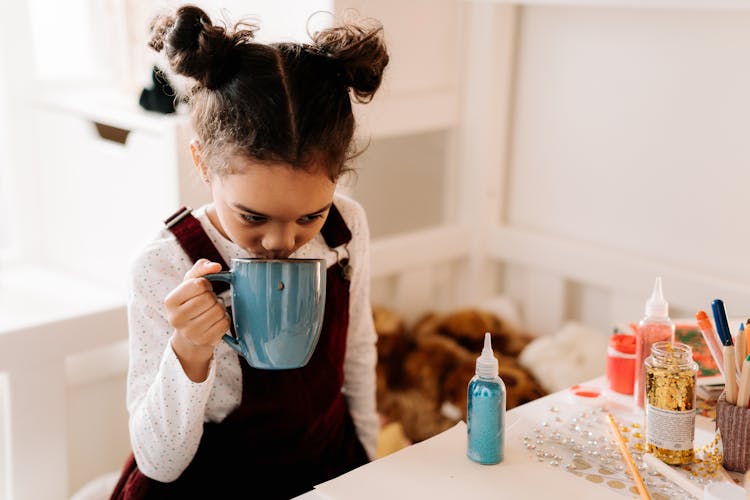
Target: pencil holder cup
[[733, 423]]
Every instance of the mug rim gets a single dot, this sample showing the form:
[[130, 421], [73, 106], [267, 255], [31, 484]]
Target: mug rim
[[253, 260]]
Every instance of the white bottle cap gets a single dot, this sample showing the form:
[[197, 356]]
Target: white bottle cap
[[487, 366], [656, 306]]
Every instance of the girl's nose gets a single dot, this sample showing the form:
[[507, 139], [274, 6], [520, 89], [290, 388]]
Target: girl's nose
[[278, 242]]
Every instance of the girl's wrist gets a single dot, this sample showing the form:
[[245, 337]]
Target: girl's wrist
[[195, 359]]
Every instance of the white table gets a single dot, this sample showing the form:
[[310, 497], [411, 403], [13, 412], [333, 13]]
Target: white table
[[439, 469]]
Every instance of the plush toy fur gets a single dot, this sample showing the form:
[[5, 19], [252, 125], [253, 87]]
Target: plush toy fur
[[423, 373], [586, 354]]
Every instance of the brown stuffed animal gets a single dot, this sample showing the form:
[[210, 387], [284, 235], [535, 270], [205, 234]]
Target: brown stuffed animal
[[423, 374], [468, 326], [416, 413], [393, 343], [520, 386]]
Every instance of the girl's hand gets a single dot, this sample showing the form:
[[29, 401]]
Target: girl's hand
[[198, 318]]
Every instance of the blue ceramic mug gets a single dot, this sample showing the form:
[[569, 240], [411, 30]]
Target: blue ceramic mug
[[278, 306]]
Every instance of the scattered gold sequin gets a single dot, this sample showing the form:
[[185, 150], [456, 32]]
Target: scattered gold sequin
[[618, 485], [581, 464], [605, 471], [594, 478], [659, 496]]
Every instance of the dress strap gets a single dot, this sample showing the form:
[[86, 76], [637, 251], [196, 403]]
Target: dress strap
[[195, 242], [335, 231]]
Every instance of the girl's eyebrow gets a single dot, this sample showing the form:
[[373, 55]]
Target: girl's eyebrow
[[260, 214]]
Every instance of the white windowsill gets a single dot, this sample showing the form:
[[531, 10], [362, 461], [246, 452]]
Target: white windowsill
[[35, 295]]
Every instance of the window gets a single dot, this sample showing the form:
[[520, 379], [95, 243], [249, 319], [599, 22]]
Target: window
[[85, 45], [62, 36], [6, 205]]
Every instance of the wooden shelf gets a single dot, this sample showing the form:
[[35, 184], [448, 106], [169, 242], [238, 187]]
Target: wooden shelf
[[110, 107], [389, 114]]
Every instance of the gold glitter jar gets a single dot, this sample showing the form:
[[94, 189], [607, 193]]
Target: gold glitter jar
[[670, 402]]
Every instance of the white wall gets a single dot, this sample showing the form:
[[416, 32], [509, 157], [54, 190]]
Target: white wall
[[384, 182], [630, 133], [5, 220]]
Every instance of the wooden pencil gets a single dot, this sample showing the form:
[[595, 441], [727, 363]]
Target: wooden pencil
[[730, 380], [628, 458], [743, 395], [740, 348]]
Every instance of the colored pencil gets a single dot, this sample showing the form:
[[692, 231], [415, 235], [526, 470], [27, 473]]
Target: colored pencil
[[740, 348], [720, 318], [628, 458], [743, 395], [712, 341], [730, 379]]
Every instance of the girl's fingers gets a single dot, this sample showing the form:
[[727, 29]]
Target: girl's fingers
[[207, 328], [217, 330], [193, 284], [201, 268], [195, 306], [193, 309], [186, 291]]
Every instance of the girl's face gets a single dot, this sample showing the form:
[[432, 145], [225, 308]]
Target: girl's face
[[270, 210]]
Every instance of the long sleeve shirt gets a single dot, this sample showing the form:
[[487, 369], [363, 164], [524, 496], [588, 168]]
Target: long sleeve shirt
[[167, 410]]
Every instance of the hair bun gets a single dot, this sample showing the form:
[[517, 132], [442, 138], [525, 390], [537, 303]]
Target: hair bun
[[361, 55], [195, 47]]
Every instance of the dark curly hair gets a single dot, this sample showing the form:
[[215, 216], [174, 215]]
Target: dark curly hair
[[281, 102]]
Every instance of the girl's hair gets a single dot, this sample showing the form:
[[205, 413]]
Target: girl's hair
[[281, 102]]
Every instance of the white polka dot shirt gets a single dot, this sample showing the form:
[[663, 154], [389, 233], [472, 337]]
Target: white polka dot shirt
[[167, 410]]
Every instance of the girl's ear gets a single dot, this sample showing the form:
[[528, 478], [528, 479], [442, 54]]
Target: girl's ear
[[196, 152]]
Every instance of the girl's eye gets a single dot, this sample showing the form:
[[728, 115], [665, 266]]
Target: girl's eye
[[307, 219], [253, 219]]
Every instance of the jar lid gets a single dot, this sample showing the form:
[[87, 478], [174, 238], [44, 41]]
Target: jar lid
[[623, 342]]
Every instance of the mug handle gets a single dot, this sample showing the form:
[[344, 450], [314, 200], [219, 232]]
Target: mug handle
[[226, 277]]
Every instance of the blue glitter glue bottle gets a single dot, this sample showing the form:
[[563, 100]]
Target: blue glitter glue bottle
[[486, 409]]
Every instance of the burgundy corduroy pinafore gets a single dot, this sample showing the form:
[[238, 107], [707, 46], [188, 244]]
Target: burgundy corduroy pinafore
[[292, 429]]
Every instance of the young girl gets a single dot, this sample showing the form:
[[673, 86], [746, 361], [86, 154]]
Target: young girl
[[274, 131]]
